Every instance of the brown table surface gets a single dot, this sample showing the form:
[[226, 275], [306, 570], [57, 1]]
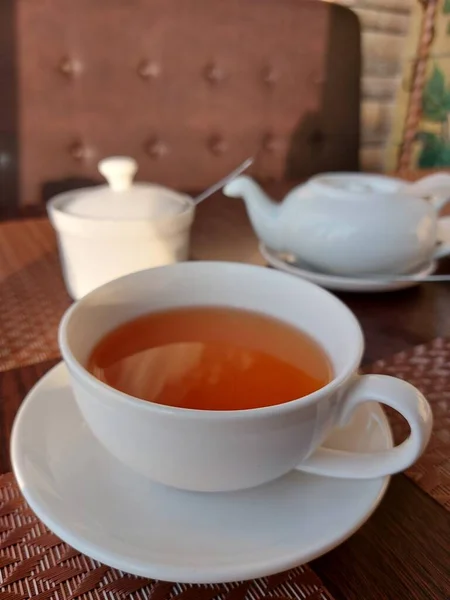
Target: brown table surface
[[403, 551]]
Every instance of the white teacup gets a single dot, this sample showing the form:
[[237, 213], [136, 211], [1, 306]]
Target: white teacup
[[220, 451]]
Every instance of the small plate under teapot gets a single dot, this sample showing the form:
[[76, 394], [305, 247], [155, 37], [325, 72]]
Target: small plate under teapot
[[351, 224], [339, 283]]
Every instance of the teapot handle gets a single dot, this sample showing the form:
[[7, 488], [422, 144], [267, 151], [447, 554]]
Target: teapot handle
[[436, 186]]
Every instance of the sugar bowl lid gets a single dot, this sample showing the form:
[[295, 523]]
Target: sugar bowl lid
[[122, 199]]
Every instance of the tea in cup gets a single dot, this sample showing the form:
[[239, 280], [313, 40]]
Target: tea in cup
[[210, 358], [220, 376]]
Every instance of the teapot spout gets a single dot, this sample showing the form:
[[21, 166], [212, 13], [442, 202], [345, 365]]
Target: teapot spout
[[263, 212]]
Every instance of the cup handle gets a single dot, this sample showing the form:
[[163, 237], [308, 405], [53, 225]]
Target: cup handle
[[397, 394]]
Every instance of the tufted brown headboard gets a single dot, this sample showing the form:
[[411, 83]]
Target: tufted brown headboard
[[187, 87]]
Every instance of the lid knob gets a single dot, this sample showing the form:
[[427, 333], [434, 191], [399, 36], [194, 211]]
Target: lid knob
[[118, 172]]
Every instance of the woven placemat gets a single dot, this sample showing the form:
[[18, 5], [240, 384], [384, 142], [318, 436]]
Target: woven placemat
[[428, 368], [33, 297], [34, 563]]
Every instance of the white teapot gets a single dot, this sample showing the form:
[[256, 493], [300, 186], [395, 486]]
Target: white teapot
[[351, 223]]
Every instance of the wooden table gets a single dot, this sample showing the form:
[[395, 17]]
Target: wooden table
[[403, 552]]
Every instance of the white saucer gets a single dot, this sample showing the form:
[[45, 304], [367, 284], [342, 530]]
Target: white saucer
[[106, 511], [339, 283]]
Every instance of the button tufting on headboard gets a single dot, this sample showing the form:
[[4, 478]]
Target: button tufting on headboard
[[80, 151], [156, 148], [5, 160], [217, 144], [269, 76], [69, 67], [317, 78], [316, 138], [149, 69], [189, 89], [214, 74], [271, 143]]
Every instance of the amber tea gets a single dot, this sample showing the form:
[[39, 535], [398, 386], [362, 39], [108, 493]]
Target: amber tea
[[210, 358]]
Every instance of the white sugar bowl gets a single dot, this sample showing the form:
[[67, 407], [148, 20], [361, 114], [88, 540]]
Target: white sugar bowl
[[111, 230]]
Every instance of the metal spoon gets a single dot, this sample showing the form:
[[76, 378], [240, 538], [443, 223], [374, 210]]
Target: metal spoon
[[419, 278], [217, 186]]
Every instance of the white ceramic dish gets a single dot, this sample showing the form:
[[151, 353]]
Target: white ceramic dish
[[220, 450], [351, 223], [339, 283], [105, 510], [109, 231]]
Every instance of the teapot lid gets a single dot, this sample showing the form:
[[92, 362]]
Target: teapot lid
[[346, 184], [122, 199]]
